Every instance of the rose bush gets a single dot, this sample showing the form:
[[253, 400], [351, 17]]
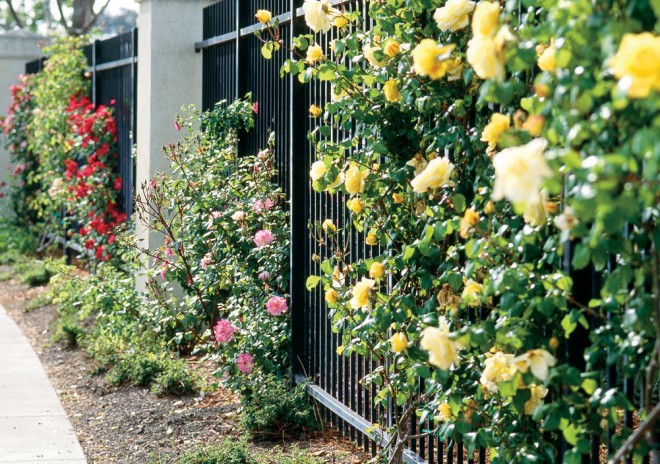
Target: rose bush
[[494, 150]]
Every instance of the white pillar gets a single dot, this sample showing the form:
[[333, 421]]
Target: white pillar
[[169, 77], [16, 49]]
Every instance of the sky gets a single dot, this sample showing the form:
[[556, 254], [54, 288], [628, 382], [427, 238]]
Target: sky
[[117, 5]]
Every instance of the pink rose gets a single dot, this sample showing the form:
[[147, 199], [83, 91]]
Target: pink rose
[[224, 330], [216, 214], [265, 275], [206, 261], [263, 238], [245, 363], [262, 154], [276, 305], [261, 206]]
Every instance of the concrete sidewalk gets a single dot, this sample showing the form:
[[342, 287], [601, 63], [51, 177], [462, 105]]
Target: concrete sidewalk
[[33, 425]]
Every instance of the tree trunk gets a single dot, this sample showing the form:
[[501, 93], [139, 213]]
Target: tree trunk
[[83, 16]]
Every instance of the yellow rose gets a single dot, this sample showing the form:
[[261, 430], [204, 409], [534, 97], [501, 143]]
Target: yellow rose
[[361, 291], [468, 221], [553, 343], [418, 163], [317, 170], [547, 60], [391, 91], [340, 22], [397, 198], [489, 208], [519, 172], [371, 239], [538, 361], [499, 367], [263, 16], [454, 15], [331, 295], [443, 351], [454, 69], [484, 57], [435, 175], [430, 59], [637, 64], [534, 213], [538, 393], [472, 292], [370, 55], [318, 14], [315, 111], [444, 412], [399, 342], [534, 125], [329, 227], [314, 54], [355, 204], [486, 19], [354, 179], [391, 48], [499, 123], [377, 270]]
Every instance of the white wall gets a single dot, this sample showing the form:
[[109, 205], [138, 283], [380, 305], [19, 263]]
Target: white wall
[[16, 49]]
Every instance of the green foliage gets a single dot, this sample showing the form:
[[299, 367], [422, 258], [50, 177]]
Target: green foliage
[[231, 451], [273, 410], [33, 272], [39, 301], [482, 220], [177, 379], [211, 210]]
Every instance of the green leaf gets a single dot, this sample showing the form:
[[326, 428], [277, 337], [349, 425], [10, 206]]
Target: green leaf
[[267, 50], [459, 202], [568, 325], [581, 256], [571, 434], [312, 281]]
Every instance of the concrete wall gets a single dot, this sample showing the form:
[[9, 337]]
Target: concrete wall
[[16, 49], [169, 77]]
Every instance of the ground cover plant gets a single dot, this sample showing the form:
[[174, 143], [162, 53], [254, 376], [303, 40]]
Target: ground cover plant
[[494, 151]]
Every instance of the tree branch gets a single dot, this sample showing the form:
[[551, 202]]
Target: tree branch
[[95, 17], [14, 15], [645, 428], [62, 17]]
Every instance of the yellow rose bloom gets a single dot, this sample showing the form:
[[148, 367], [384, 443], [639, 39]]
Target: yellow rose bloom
[[538, 361], [315, 111], [331, 295], [534, 125], [468, 221], [436, 174], [485, 58], [329, 227], [538, 393], [340, 22], [317, 170], [519, 172], [444, 412], [397, 198], [399, 342], [318, 14], [354, 179], [371, 239], [377, 270], [314, 54], [443, 351], [391, 48], [355, 204], [499, 367], [534, 213], [499, 123], [486, 19], [454, 15], [637, 64], [547, 60], [263, 16], [489, 208], [454, 69], [430, 59], [361, 291], [370, 56], [391, 91], [472, 292]]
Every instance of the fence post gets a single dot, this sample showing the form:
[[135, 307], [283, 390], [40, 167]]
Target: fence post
[[169, 77], [298, 180]]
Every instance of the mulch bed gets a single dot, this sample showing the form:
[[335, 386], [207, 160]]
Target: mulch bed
[[125, 424]]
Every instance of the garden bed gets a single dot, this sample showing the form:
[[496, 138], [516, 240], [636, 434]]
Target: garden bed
[[125, 424]]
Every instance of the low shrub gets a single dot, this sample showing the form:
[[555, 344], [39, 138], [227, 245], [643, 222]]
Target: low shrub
[[230, 451]]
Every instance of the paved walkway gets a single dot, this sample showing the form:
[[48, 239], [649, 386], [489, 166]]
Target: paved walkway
[[34, 428]]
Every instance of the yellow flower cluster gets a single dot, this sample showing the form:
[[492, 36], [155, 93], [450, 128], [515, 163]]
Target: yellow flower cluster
[[499, 123], [399, 342], [637, 64], [354, 179], [361, 292], [319, 14], [502, 367], [436, 174], [485, 51], [442, 348], [434, 60], [453, 15]]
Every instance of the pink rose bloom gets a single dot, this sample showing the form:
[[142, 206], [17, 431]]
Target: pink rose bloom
[[245, 363], [276, 305], [265, 275], [163, 272], [261, 206], [262, 154], [255, 107], [263, 238], [224, 330], [216, 214], [206, 261], [255, 168]]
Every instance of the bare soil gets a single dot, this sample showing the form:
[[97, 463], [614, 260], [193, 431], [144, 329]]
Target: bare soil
[[125, 424]]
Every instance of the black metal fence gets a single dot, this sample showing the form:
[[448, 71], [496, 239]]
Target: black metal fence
[[113, 75]]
